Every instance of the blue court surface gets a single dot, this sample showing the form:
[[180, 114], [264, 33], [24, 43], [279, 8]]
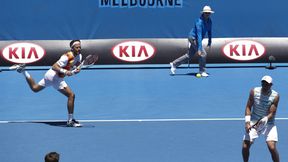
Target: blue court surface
[[137, 115]]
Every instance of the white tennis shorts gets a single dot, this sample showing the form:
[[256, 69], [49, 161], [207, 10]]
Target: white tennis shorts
[[270, 132], [52, 79]]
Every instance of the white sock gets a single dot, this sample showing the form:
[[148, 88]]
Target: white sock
[[70, 117], [26, 74]]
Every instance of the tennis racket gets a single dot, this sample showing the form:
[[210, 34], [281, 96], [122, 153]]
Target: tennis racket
[[87, 62], [258, 126]]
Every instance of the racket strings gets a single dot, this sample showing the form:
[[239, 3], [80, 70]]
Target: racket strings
[[91, 59], [258, 126]]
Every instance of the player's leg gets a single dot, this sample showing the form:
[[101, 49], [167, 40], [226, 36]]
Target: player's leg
[[248, 139], [33, 86], [273, 150], [202, 63], [246, 150], [183, 59], [71, 98], [271, 140], [66, 90]]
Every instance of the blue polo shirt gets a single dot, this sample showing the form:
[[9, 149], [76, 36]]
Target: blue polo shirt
[[200, 29]]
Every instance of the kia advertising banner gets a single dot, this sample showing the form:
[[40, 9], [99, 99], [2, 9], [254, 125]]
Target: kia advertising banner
[[145, 51]]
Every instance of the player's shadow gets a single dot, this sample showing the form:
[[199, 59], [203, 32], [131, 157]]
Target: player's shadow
[[186, 74], [56, 123], [64, 124]]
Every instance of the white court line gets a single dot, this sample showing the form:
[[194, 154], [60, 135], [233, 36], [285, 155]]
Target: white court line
[[133, 120]]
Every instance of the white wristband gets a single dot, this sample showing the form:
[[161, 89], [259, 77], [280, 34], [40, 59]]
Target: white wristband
[[247, 118], [63, 71]]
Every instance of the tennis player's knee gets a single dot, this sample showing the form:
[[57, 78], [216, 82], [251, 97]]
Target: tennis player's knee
[[36, 88], [246, 144], [72, 95]]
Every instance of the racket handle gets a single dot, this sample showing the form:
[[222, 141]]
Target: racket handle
[[77, 68], [73, 71]]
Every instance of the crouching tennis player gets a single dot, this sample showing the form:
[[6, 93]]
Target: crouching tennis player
[[261, 106]]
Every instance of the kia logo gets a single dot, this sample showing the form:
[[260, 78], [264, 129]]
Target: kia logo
[[23, 53], [244, 50], [133, 51]]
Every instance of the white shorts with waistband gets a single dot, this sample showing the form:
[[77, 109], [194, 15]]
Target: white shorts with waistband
[[270, 132], [52, 79]]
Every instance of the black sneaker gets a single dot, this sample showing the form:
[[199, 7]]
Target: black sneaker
[[73, 123]]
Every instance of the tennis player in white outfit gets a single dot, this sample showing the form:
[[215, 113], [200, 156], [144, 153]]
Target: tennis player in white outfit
[[261, 105], [65, 66]]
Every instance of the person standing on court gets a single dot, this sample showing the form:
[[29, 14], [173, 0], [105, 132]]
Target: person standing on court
[[202, 27], [52, 157], [261, 106], [55, 77]]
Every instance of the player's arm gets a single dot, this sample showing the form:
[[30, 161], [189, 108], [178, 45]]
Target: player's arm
[[199, 37], [190, 36], [272, 111], [209, 35], [273, 108], [248, 109], [58, 66]]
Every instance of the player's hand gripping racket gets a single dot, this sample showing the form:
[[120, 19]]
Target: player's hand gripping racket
[[87, 62]]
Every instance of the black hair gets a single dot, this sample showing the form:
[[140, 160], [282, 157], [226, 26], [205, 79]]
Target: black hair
[[52, 157]]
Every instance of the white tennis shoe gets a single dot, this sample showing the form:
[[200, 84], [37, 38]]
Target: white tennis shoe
[[18, 67], [173, 68], [204, 74]]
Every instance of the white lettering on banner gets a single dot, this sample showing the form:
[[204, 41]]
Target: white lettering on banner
[[243, 50], [23, 53], [141, 3], [133, 51]]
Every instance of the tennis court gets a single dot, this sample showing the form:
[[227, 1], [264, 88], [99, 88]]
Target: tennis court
[[137, 115]]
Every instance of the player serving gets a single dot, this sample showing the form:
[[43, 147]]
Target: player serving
[[264, 102], [65, 66]]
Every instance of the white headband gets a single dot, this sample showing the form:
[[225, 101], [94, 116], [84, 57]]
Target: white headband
[[77, 42]]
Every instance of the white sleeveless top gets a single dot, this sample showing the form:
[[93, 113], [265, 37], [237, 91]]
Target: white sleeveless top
[[262, 104]]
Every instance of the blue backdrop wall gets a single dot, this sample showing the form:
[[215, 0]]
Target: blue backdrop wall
[[71, 19]]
